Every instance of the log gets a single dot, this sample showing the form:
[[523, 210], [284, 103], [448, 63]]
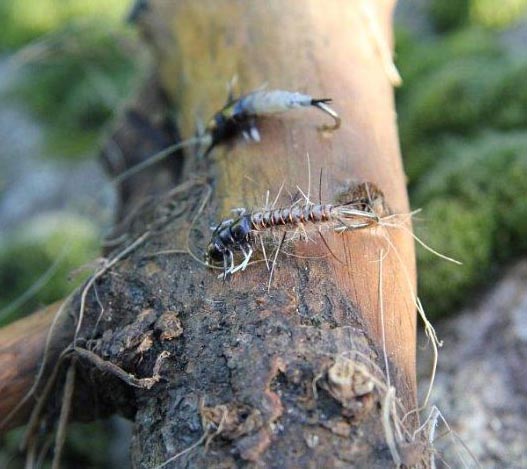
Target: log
[[276, 344], [335, 54]]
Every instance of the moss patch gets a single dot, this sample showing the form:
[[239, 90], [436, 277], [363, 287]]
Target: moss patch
[[444, 286], [450, 15], [489, 14], [462, 119], [76, 85], [23, 21], [418, 56], [475, 210], [447, 15], [32, 249], [466, 83]]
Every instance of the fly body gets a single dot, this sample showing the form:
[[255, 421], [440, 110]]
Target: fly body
[[239, 234], [238, 116]]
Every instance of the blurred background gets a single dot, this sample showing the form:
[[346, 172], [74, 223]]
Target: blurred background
[[67, 67]]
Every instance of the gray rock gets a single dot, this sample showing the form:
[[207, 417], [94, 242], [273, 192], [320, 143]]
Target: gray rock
[[481, 384]]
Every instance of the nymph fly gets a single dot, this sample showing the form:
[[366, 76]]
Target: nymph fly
[[239, 234], [238, 116]]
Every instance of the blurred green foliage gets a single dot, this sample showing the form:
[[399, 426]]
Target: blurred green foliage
[[491, 14], [76, 86], [463, 128], [87, 446], [77, 69], [24, 21], [460, 84], [475, 210], [417, 54], [447, 15], [56, 243]]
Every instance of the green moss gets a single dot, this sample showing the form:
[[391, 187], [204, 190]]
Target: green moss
[[461, 232], [490, 14], [509, 98], [35, 247], [444, 80], [448, 14], [477, 169], [462, 119], [23, 21], [476, 211], [76, 70], [76, 89], [420, 156], [455, 99], [418, 56], [464, 84]]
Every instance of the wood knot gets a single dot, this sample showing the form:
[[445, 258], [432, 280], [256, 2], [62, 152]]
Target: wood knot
[[364, 196], [348, 380], [168, 326]]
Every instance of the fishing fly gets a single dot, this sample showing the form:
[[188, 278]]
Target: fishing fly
[[239, 235], [238, 116]]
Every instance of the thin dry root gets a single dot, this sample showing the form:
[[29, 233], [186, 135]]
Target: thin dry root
[[386, 423], [67, 398], [381, 45], [109, 367]]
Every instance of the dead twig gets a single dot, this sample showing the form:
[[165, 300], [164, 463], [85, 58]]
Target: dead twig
[[108, 367], [67, 399]]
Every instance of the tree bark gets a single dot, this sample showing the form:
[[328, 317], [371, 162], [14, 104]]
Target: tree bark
[[246, 348], [284, 377]]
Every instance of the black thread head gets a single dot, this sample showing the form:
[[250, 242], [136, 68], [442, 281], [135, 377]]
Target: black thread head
[[214, 253]]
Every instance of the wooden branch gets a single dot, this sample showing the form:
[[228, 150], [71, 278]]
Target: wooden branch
[[336, 49], [325, 49], [22, 346]]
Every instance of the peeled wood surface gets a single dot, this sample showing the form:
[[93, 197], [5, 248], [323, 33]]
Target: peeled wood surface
[[21, 348], [326, 49], [254, 359]]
